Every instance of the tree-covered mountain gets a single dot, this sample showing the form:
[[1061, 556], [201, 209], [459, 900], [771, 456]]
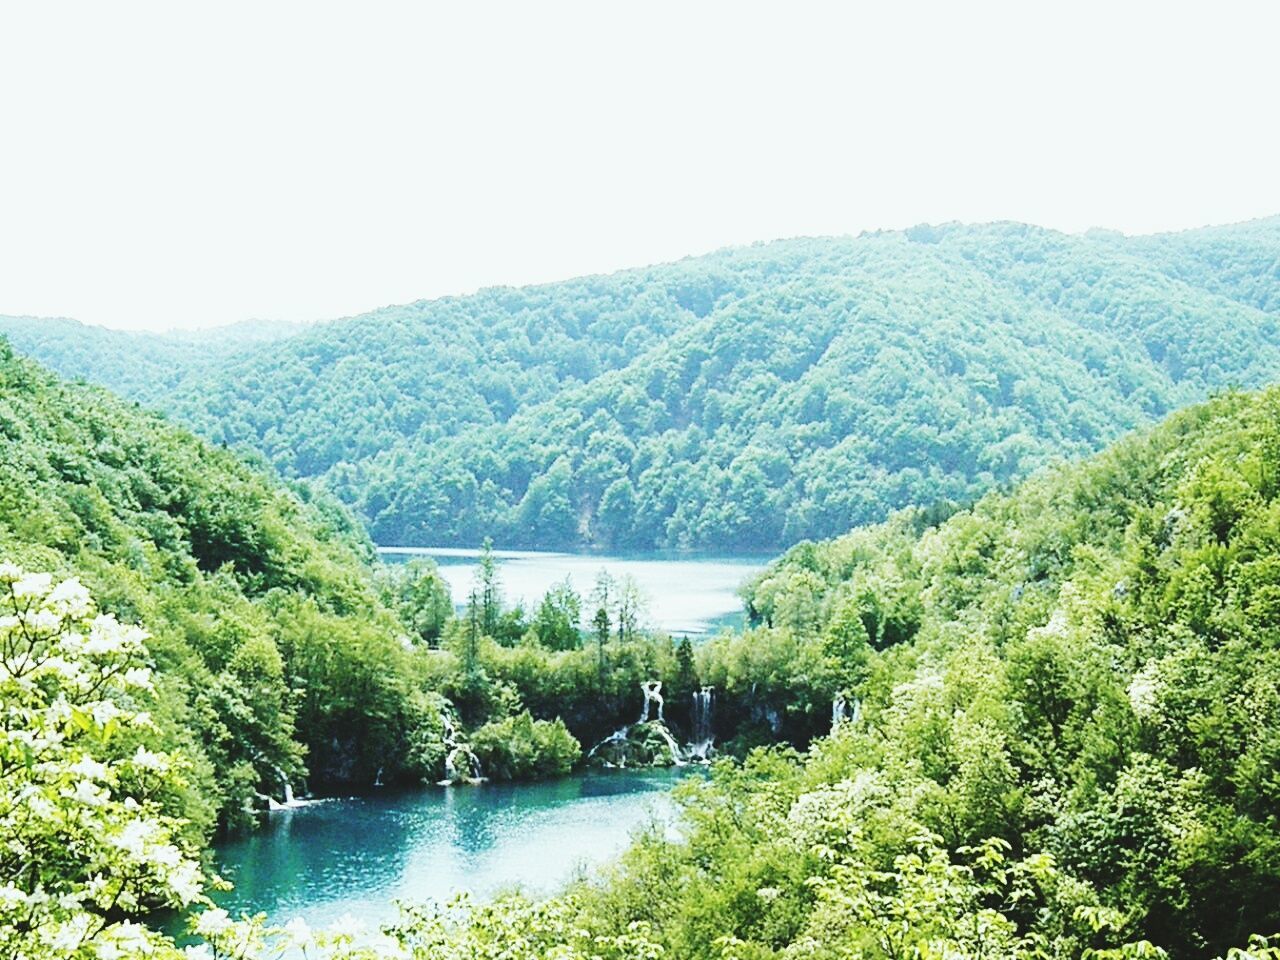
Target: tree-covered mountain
[[274, 653], [751, 397], [141, 366], [1086, 669]]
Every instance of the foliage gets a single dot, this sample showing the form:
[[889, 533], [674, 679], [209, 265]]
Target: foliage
[[90, 843], [521, 748], [1086, 668], [420, 595], [274, 655], [136, 364], [1066, 744], [748, 398]]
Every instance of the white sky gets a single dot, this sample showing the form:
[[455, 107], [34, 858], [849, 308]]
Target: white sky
[[175, 164]]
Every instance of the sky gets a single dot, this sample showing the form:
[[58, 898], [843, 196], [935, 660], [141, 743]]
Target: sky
[[187, 165]]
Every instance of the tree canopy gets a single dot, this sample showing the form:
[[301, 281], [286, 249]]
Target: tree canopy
[[748, 398]]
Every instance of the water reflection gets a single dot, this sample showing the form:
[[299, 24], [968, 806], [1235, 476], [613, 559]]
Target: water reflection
[[355, 856]]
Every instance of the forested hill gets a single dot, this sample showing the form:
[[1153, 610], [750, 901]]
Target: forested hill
[[756, 396], [142, 366], [1086, 667], [274, 652]]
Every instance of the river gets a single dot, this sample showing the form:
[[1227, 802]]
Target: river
[[333, 858], [686, 596]]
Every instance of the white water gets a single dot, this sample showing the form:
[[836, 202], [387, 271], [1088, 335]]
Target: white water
[[290, 802], [652, 694], [458, 752], [842, 711], [703, 733], [652, 690]]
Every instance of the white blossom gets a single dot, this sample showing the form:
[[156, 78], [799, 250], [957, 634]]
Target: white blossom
[[186, 881], [297, 930], [87, 793], [213, 922], [32, 585], [145, 759], [70, 597], [89, 768], [139, 677], [346, 926], [1144, 690]]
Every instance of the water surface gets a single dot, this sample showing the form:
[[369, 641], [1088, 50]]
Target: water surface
[[683, 595], [338, 857]]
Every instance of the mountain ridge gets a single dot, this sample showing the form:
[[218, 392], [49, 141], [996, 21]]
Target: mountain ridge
[[443, 421]]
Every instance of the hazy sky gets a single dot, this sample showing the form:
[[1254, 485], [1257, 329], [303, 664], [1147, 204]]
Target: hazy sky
[[166, 166]]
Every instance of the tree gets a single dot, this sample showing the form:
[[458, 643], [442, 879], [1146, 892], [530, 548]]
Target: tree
[[630, 605], [420, 595], [558, 617], [600, 623], [489, 586], [685, 681], [471, 643]]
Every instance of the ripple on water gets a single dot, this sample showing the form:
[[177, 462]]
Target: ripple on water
[[355, 856]]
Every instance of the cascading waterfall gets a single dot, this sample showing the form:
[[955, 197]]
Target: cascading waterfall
[[286, 790], [652, 694], [461, 765], [703, 737], [621, 742]]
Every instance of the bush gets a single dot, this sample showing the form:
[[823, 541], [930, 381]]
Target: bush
[[522, 748]]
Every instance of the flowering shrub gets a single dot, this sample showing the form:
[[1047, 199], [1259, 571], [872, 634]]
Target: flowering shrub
[[87, 848]]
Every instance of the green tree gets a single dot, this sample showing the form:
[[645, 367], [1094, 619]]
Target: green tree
[[558, 617], [489, 588], [421, 596]]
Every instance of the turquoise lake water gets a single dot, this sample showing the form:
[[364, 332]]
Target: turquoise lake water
[[690, 596], [334, 858]]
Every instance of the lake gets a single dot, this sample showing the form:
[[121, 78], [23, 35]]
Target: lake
[[684, 595], [331, 858]]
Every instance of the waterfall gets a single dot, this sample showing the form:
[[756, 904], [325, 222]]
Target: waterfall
[[620, 743], [661, 729], [286, 789], [703, 736], [774, 719], [652, 694], [461, 765], [838, 708], [842, 711]]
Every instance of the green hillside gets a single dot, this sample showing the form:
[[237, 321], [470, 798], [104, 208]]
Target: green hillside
[[1060, 736], [275, 655], [141, 366], [887, 370], [753, 397]]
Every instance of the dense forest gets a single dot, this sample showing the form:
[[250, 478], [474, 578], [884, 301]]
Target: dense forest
[[1055, 735], [142, 366], [285, 657], [744, 399], [266, 628]]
